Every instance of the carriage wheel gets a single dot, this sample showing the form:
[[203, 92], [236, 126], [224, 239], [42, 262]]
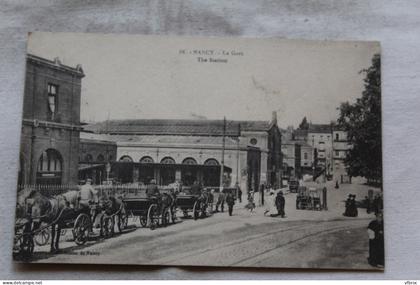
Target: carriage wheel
[[42, 237], [196, 210], [151, 219], [81, 229], [173, 216], [123, 221]]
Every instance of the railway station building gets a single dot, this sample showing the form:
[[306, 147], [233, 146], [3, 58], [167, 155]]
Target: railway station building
[[191, 150]]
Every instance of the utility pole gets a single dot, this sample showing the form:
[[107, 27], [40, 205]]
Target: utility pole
[[237, 160], [223, 155]]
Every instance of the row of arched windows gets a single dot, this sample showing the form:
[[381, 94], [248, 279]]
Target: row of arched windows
[[170, 160], [100, 158]]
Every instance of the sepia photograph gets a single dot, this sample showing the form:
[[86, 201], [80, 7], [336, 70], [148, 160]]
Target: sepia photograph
[[200, 151]]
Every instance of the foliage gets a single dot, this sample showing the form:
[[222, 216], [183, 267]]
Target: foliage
[[304, 125], [362, 121]]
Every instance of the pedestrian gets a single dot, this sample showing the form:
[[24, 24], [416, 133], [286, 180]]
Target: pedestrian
[[230, 201], [221, 201], [367, 204], [347, 206], [336, 184], [262, 189], [251, 205], [280, 203], [239, 191], [353, 207], [376, 241]]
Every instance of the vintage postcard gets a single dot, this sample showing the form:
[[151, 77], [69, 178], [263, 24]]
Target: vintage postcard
[[228, 152]]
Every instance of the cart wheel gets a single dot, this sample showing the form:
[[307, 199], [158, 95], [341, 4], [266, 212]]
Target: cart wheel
[[151, 213], [42, 237], [196, 210], [173, 216], [81, 229]]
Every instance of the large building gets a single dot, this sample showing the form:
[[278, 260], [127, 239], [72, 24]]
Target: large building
[[51, 123], [320, 138], [340, 148], [191, 150]]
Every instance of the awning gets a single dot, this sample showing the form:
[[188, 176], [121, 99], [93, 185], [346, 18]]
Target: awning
[[86, 166]]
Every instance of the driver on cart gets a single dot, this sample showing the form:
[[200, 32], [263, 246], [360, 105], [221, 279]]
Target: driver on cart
[[152, 192], [88, 197]]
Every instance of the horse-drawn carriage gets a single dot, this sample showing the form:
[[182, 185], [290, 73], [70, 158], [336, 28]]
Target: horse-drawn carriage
[[308, 198], [200, 203], [152, 211], [42, 217]]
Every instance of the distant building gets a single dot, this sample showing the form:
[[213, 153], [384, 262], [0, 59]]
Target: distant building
[[340, 148], [320, 138], [51, 123], [191, 150]]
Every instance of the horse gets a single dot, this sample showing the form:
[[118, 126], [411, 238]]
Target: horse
[[221, 197], [111, 207], [168, 201], [54, 211]]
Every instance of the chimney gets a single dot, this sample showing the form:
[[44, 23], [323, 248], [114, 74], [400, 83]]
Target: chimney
[[274, 118]]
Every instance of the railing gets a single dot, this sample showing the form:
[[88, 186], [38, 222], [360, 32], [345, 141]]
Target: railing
[[50, 190]]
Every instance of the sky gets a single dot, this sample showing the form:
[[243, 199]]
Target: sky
[[151, 77]]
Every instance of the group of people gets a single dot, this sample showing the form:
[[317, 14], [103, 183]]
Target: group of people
[[374, 205]]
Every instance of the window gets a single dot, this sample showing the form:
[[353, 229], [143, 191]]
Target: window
[[337, 153], [167, 160], [49, 167], [337, 136], [146, 159], [305, 155], [126, 158], [100, 158], [190, 161], [52, 100], [88, 158], [211, 161], [253, 141]]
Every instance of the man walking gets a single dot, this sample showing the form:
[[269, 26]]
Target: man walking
[[280, 203], [230, 201]]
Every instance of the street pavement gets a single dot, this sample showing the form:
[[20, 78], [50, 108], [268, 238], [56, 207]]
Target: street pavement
[[316, 239]]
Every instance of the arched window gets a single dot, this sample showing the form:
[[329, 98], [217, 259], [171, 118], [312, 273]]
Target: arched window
[[146, 159], [88, 157], [49, 169], [167, 160], [126, 158], [100, 158], [190, 161], [211, 161]]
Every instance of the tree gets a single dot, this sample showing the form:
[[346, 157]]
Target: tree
[[304, 125], [362, 122]]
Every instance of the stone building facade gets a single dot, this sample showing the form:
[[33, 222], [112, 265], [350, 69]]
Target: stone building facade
[[51, 123], [187, 150], [340, 148]]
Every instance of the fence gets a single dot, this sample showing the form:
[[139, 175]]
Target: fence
[[50, 190]]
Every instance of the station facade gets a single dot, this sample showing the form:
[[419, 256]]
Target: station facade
[[191, 150]]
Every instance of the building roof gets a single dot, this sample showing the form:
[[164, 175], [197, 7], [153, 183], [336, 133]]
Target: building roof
[[176, 127], [96, 138], [56, 64], [319, 128], [174, 140]]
